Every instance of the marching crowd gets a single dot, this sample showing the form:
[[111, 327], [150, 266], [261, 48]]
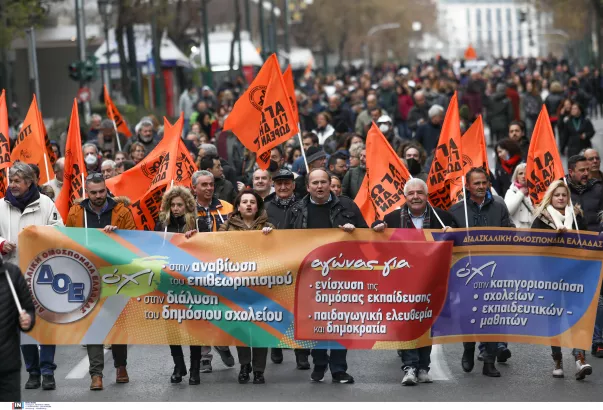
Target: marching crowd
[[230, 193]]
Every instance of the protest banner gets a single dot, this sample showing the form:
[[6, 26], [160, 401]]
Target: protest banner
[[5, 162], [74, 168], [32, 144], [335, 290], [544, 164], [382, 189], [445, 174], [262, 117], [114, 115]]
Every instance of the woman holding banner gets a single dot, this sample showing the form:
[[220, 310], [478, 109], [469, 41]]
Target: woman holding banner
[[178, 214], [555, 212], [517, 199]]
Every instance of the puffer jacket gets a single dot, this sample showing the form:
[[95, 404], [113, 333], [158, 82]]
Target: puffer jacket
[[520, 207], [236, 223], [40, 211], [117, 214], [10, 337]]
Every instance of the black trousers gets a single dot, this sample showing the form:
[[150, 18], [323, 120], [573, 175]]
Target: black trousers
[[176, 351], [10, 386], [258, 361]]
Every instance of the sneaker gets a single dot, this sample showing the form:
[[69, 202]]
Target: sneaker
[[205, 366], [597, 350], [583, 369], [48, 382], [318, 374], [424, 376], [409, 379], [34, 381], [343, 378], [226, 356], [558, 370], [480, 356], [502, 355]]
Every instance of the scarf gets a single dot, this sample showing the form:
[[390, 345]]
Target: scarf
[[577, 188], [509, 164], [284, 203], [406, 219], [559, 220], [33, 194]]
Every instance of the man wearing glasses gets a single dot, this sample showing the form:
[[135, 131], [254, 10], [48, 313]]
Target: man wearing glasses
[[594, 160], [103, 212]]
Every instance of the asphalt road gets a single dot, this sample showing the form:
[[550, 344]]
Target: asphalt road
[[526, 377]]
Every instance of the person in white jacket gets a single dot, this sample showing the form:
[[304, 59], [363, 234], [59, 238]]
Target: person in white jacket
[[24, 206], [518, 201]]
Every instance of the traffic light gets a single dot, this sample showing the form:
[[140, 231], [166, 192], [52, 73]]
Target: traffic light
[[75, 71], [84, 71]]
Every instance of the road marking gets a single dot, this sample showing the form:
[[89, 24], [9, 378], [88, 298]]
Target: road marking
[[81, 369], [439, 367]]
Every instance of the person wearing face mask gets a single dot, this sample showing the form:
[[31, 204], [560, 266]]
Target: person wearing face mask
[[428, 134], [556, 213], [145, 135], [508, 156], [249, 215], [517, 199], [415, 157], [91, 158], [386, 126]]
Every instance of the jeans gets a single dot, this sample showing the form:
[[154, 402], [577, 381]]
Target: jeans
[[39, 363], [575, 352], [489, 353], [254, 355], [499, 345], [598, 332], [96, 355], [418, 359], [10, 387], [336, 360]]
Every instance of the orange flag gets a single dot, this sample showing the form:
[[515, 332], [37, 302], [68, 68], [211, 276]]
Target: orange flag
[[74, 166], [263, 117], [474, 155], [31, 146], [544, 164], [447, 166], [290, 84], [115, 116], [5, 162], [382, 189]]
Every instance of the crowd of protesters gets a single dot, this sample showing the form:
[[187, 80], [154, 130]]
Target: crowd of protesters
[[312, 184]]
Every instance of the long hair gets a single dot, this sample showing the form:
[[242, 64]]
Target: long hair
[[521, 167], [258, 200], [190, 214], [548, 196]]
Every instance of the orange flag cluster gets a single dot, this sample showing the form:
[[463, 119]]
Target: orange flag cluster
[[382, 189], [263, 117], [75, 167], [5, 162]]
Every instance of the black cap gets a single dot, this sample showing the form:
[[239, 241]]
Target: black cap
[[283, 173], [314, 153]]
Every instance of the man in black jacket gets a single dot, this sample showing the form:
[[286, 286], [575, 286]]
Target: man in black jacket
[[415, 214], [11, 323], [323, 209], [588, 193], [482, 210]]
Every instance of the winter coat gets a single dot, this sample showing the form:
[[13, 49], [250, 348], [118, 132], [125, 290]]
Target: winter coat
[[428, 136], [492, 213], [532, 104], [117, 214], [148, 146], [323, 134], [513, 96], [499, 112], [236, 223], [352, 181], [276, 213], [415, 114], [502, 179], [219, 212], [552, 103], [519, 206], [545, 221], [176, 225], [39, 212], [224, 190], [571, 139], [342, 211], [591, 203], [394, 219], [389, 101], [10, 335], [405, 104]]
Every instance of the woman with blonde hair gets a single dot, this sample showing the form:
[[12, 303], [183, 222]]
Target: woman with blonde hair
[[555, 212], [178, 214], [517, 199]]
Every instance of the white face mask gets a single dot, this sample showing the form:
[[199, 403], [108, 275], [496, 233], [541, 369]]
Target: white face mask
[[384, 128], [91, 159]]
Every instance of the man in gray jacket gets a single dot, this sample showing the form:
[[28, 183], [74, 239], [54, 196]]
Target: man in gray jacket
[[482, 210]]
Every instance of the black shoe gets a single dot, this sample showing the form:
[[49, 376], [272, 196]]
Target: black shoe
[[244, 373], [179, 370], [194, 378], [48, 382], [597, 350], [302, 362], [468, 360], [490, 371], [258, 378], [33, 382], [343, 378], [226, 357], [503, 355], [276, 355], [318, 374]]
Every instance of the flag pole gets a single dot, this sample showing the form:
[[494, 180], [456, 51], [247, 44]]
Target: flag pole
[[436, 215], [116, 134], [12, 290], [465, 199], [85, 216], [165, 231], [301, 144], [9, 218], [46, 163]]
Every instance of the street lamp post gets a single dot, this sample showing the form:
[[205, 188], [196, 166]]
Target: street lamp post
[[373, 30], [105, 7]]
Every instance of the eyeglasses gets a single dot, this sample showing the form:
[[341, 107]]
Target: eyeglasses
[[593, 159], [96, 175]]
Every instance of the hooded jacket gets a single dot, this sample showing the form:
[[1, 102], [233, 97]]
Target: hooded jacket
[[342, 211], [236, 223], [117, 214], [519, 206], [10, 335], [40, 211]]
